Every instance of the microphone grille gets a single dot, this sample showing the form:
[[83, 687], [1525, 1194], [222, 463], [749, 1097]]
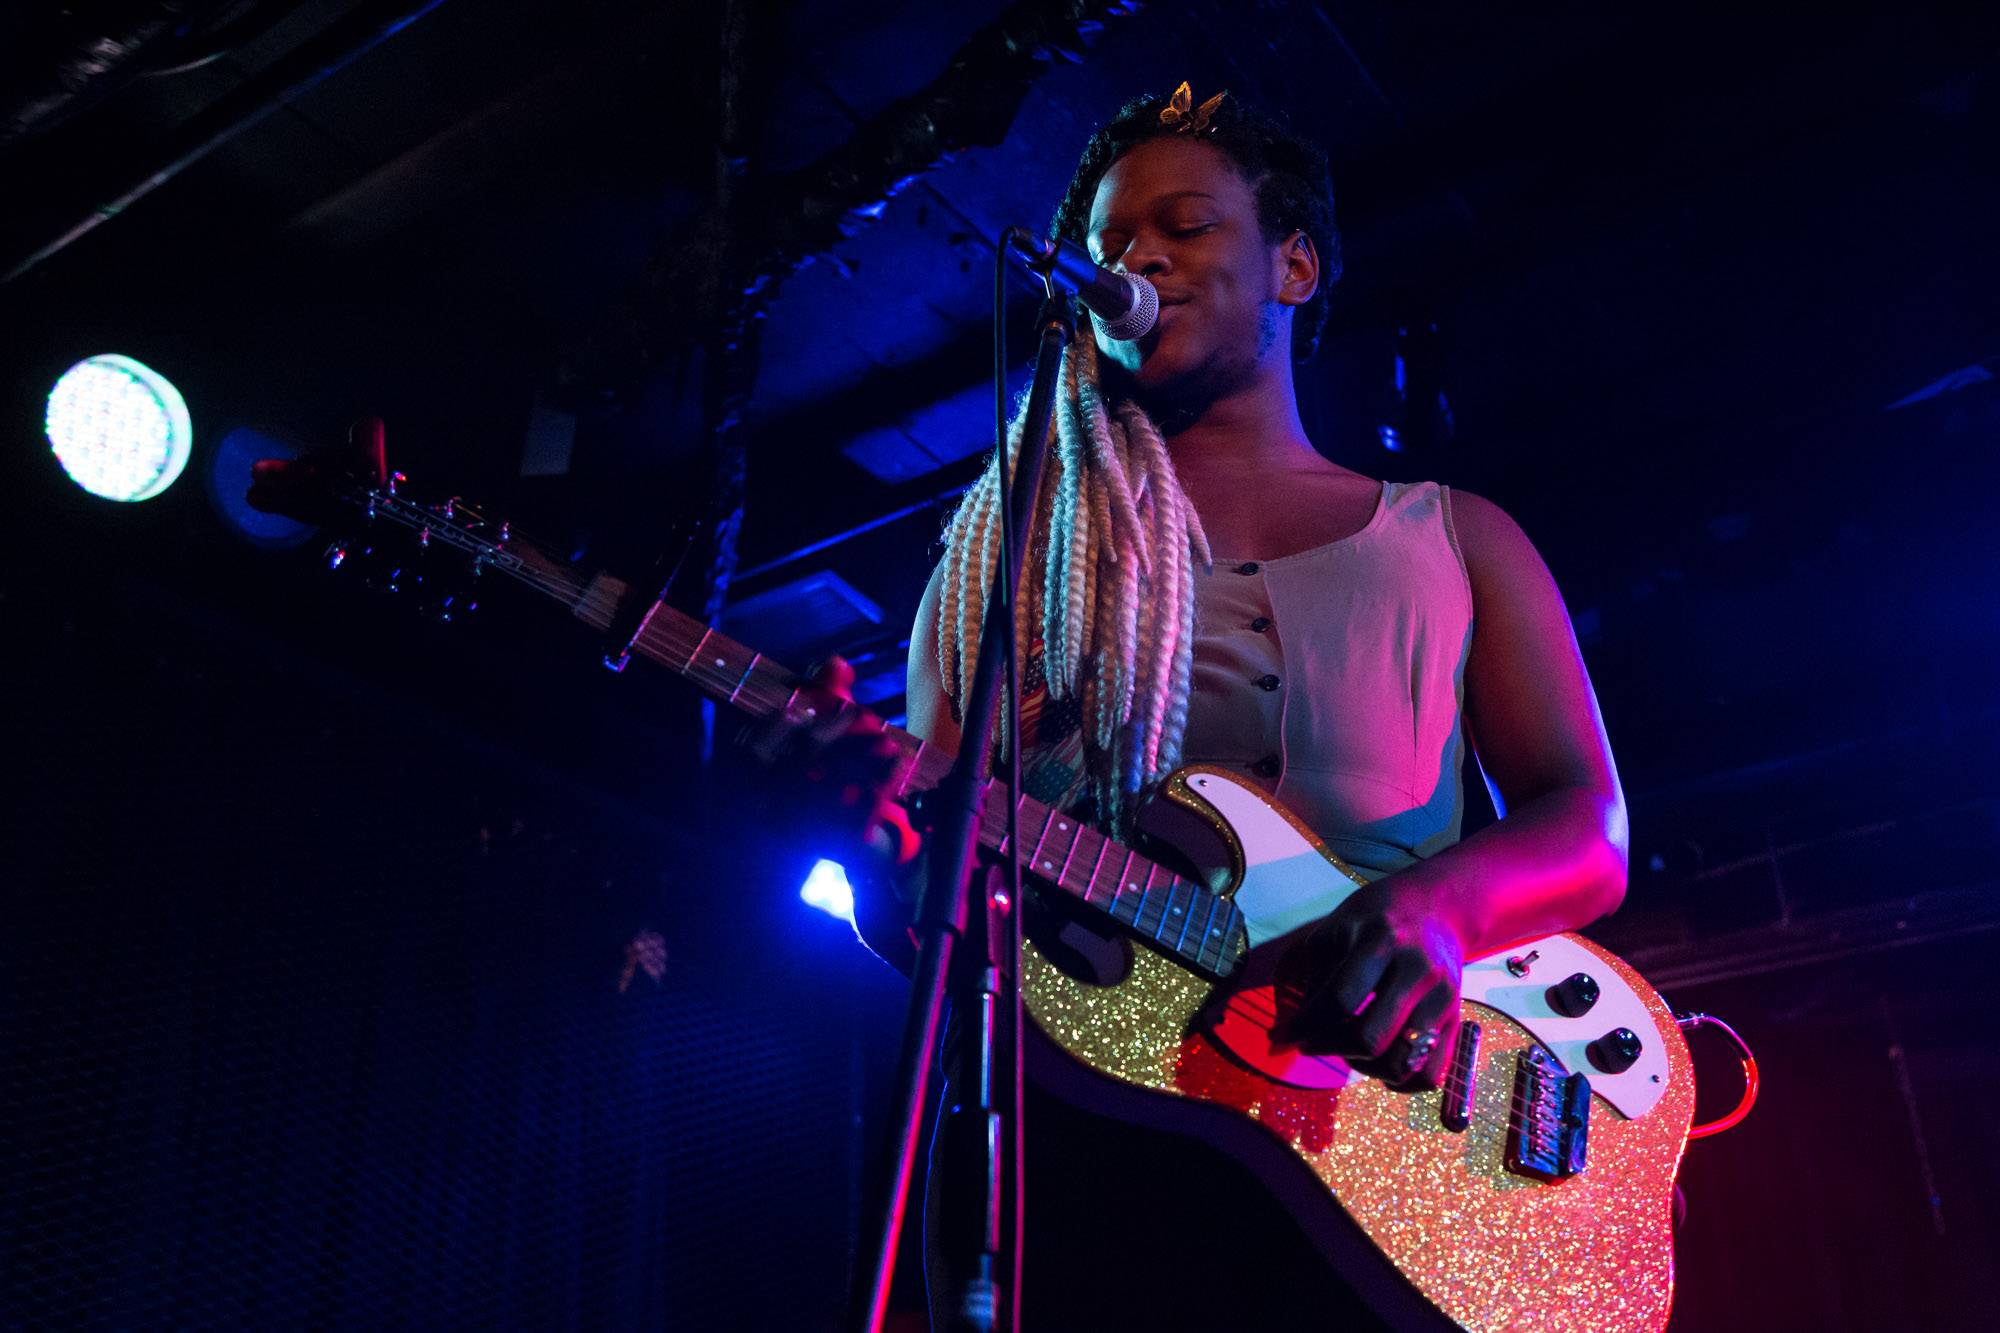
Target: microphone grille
[[1138, 321]]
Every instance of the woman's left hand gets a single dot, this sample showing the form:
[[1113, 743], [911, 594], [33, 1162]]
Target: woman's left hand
[[1377, 984]]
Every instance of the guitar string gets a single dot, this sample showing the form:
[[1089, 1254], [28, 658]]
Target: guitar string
[[556, 581], [671, 640]]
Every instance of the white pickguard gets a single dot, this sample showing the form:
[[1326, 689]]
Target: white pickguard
[[1288, 882]]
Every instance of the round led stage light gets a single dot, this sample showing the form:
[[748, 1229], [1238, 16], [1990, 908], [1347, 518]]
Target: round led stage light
[[119, 428]]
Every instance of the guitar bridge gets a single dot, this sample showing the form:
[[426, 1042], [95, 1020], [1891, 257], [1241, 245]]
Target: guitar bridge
[[1455, 1107], [1548, 1126]]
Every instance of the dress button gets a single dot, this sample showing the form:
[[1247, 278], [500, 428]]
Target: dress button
[[1260, 624], [1247, 567], [1267, 682], [1267, 767]]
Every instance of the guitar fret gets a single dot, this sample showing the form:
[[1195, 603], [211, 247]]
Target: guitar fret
[[1090, 885], [755, 658], [1187, 917], [1207, 930], [1075, 837], [688, 665], [1034, 857], [1172, 912], [767, 688], [1123, 872], [994, 818], [1145, 893], [1232, 921], [1118, 898]]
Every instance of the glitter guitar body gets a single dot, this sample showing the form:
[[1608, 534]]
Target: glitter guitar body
[[1483, 1245], [1155, 996]]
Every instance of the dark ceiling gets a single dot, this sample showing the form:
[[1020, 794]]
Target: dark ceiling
[[1679, 266]]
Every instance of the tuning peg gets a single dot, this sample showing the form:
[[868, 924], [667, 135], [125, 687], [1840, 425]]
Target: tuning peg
[[390, 579], [450, 607]]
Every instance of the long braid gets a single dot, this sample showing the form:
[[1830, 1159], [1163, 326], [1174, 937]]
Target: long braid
[[1110, 586]]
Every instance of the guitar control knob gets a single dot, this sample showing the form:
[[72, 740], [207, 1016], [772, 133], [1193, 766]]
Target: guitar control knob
[[1615, 1051], [1573, 995]]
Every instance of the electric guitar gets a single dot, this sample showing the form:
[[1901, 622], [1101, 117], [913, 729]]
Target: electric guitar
[[1532, 1191]]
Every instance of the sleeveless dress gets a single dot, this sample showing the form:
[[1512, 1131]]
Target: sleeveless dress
[[1333, 679]]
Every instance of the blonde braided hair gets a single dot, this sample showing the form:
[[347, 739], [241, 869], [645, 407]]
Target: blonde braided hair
[[1110, 589]]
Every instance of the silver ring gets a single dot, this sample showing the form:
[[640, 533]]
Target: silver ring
[[1421, 1043]]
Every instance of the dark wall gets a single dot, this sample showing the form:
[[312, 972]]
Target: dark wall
[[310, 995], [1859, 1194]]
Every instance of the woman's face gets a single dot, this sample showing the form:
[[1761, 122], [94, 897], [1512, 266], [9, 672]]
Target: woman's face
[[1177, 212]]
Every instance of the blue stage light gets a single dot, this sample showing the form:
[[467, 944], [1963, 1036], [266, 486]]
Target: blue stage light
[[229, 480], [119, 428], [827, 889]]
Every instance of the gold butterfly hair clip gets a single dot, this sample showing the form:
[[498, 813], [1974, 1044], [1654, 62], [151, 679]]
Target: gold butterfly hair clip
[[1184, 121]]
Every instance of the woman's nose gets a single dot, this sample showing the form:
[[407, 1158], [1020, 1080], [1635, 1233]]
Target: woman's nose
[[1144, 257]]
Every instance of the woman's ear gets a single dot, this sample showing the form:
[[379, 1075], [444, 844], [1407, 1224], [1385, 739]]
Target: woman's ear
[[1299, 278]]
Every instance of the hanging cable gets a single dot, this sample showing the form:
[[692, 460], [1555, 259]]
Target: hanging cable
[[1689, 1022]]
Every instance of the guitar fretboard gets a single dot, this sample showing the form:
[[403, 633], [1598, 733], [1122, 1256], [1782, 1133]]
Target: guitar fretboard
[[1201, 929]]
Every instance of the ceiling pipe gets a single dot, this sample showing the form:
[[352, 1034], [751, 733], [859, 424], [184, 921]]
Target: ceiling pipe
[[347, 40], [81, 55]]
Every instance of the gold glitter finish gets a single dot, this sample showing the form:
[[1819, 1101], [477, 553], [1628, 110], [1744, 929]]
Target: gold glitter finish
[[1491, 1249]]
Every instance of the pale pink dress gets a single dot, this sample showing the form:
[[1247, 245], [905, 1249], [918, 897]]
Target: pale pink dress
[[1334, 679]]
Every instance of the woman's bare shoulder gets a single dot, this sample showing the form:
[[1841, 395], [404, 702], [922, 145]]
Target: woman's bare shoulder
[[1495, 547]]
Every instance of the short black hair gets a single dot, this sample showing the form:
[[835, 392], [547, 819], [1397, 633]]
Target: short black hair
[[1287, 172]]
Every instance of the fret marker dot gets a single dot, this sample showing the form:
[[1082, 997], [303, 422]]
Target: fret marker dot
[[722, 661], [1048, 865], [1064, 827], [1177, 911], [1131, 886]]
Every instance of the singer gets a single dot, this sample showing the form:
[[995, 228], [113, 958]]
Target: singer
[[1208, 587]]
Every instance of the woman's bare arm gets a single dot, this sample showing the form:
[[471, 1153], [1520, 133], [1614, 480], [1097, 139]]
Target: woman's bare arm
[[1380, 976], [1557, 858], [927, 704]]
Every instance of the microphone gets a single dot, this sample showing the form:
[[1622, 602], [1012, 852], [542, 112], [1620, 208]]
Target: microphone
[[1126, 304]]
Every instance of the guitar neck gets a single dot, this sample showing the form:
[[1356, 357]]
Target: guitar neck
[[1198, 928]]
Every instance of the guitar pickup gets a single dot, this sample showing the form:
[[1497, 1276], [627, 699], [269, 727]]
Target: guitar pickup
[[1548, 1127], [1455, 1110]]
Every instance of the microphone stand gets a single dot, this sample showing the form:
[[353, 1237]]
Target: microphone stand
[[981, 989]]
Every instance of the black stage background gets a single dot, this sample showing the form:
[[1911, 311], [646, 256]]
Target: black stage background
[[318, 911]]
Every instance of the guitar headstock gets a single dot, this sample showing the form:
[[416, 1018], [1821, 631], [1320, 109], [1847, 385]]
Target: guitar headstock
[[436, 553], [318, 488]]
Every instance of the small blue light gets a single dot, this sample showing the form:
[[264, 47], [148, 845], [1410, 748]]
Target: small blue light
[[826, 888], [1391, 440]]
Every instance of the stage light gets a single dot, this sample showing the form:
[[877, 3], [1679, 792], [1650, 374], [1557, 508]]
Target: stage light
[[826, 888], [119, 428]]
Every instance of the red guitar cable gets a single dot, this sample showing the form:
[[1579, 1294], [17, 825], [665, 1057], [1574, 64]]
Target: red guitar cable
[[1749, 1098]]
